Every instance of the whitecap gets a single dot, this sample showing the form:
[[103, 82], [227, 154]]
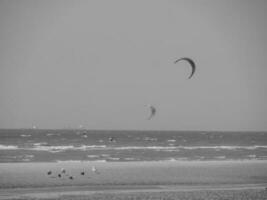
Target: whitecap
[[100, 160], [8, 147], [172, 159], [129, 159], [150, 139], [55, 149], [40, 143], [24, 135], [220, 157], [252, 156], [67, 161], [105, 155], [29, 156], [112, 158], [93, 156], [26, 159]]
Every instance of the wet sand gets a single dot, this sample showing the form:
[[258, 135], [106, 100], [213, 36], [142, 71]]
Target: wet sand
[[121, 180]]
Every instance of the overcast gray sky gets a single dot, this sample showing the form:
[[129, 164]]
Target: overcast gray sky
[[98, 63]]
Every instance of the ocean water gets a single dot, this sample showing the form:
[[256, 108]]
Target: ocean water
[[33, 145]]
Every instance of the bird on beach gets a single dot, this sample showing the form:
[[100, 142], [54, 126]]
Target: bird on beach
[[49, 172], [63, 170], [59, 175], [71, 177], [95, 170], [111, 139], [82, 173]]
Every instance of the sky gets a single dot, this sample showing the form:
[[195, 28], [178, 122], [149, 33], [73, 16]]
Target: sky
[[97, 64]]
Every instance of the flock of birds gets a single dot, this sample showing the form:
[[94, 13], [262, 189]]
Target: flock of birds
[[63, 173]]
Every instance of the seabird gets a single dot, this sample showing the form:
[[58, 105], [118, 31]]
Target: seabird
[[49, 172], [82, 173], [63, 170], [95, 170]]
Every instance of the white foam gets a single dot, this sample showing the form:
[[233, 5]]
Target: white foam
[[40, 143], [67, 161], [150, 139], [143, 147], [29, 156], [24, 135], [8, 147], [105, 155], [188, 147], [129, 159], [223, 147], [220, 157], [156, 148], [65, 148], [252, 156], [43, 146], [54, 148], [26, 159], [172, 159], [100, 160], [93, 156], [112, 158]]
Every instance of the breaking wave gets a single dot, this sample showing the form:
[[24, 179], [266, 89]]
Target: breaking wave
[[45, 147]]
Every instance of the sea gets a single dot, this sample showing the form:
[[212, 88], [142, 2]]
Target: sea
[[38, 145]]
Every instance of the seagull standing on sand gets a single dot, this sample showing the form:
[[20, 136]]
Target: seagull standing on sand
[[63, 170], [95, 170], [111, 139]]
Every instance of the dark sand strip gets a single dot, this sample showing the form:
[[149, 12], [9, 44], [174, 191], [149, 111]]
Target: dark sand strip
[[147, 192]]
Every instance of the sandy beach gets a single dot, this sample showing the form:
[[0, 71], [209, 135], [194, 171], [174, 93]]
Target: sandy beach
[[20, 180]]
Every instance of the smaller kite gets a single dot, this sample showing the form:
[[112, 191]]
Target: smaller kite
[[152, 111]]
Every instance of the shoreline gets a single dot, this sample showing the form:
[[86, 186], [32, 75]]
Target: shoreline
[[30, 180], [23, 175]]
